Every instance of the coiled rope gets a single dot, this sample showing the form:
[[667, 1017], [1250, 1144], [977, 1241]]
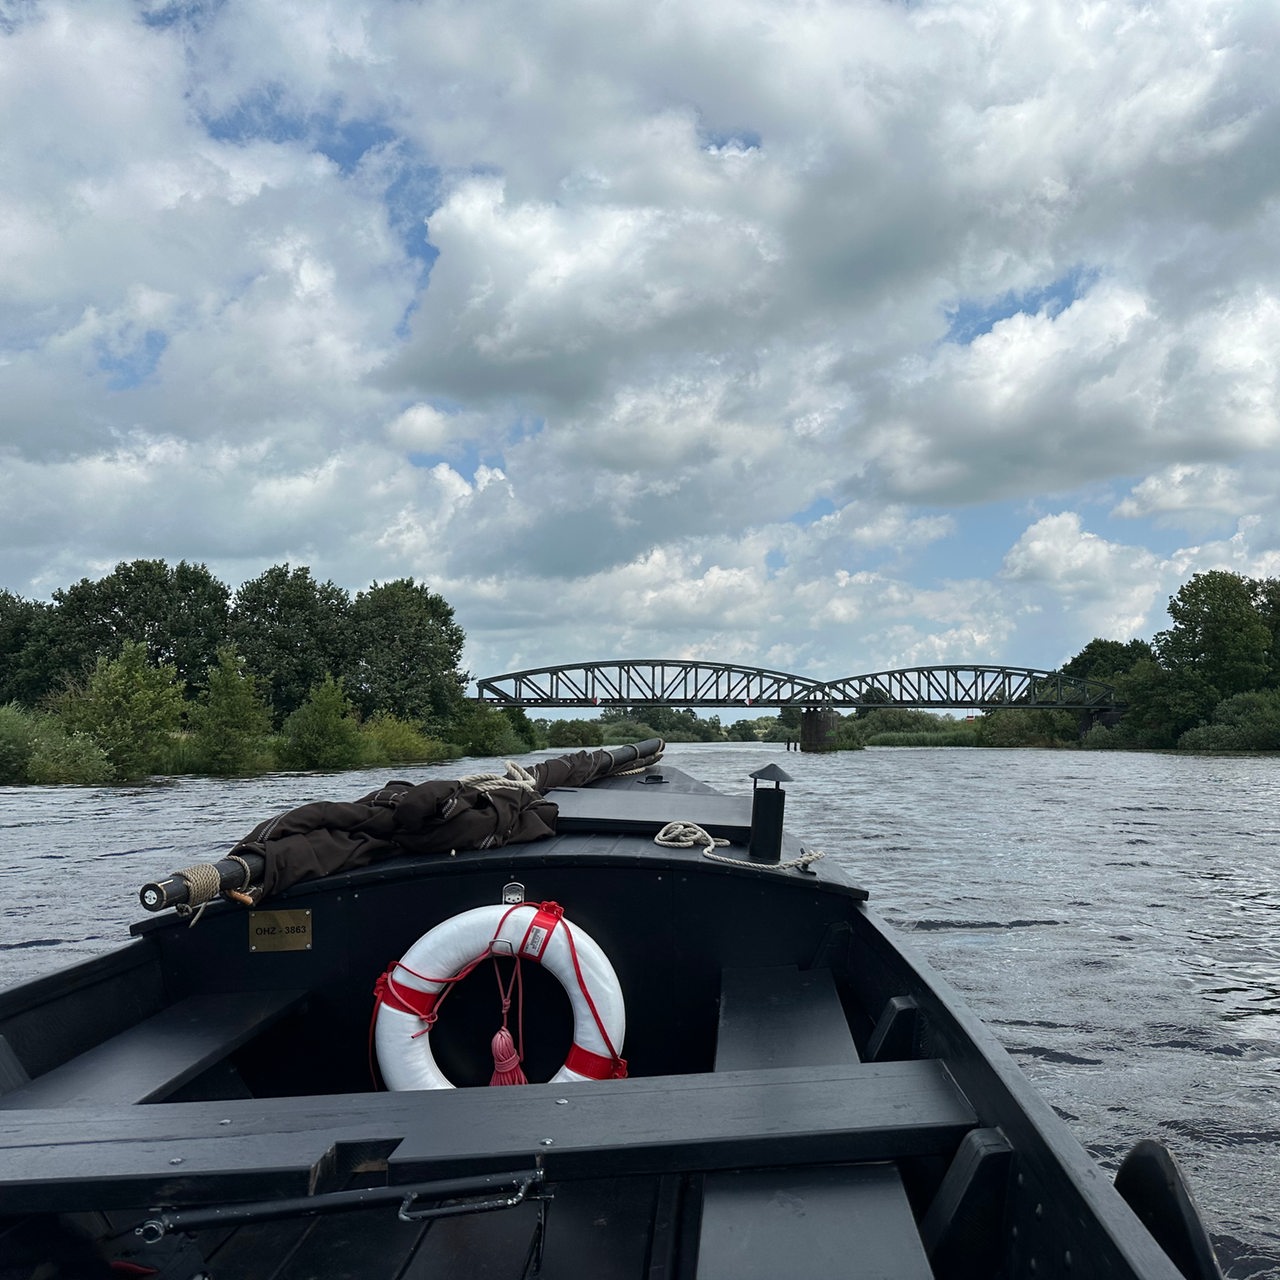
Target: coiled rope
[[685, 835], [516, 776], [204, 884]]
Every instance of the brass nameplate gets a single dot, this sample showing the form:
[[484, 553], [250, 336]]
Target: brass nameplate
[[279, 930]]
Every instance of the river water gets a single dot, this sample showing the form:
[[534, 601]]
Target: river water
[[1114, 917]]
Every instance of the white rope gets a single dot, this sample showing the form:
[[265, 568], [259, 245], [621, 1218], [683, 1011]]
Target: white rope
[[684, 835], [516, 776]]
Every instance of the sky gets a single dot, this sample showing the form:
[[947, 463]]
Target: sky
[[823, 337]]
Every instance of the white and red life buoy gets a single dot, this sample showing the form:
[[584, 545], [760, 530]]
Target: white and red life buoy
[[409, 992]]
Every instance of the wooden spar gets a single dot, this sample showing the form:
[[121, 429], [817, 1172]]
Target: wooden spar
[[176, 889]]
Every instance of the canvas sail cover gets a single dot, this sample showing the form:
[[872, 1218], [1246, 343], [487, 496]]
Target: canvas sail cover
[[439, 816]]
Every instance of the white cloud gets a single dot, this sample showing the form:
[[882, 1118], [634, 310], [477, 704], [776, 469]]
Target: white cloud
[[710, 324], [1111, 588]]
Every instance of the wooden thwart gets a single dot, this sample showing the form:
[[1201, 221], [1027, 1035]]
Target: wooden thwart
[[154, 1059], [187, 1153]]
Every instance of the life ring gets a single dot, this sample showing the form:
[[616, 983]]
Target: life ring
[[411, 988]]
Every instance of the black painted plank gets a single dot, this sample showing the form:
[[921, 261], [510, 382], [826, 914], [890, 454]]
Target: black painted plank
[[193, 1152], [853, 1220], [152, 1059], [781, 1017], [600, 1228], [352, 1246], [12, 1073], [489, 1246], [255, 1252], [647, 809]]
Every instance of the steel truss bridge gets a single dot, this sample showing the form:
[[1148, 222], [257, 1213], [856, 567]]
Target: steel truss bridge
[[677, 683]]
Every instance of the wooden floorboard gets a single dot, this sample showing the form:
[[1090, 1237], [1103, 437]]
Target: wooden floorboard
[[828, 1222]]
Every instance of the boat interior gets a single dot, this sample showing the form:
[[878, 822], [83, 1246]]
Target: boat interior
[[802, 1097]]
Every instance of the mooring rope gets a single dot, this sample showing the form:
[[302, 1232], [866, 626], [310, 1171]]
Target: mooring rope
[[685, 835]]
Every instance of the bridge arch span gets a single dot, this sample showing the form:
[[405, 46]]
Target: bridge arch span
[[683, 682], [668, 682], [984, 688]]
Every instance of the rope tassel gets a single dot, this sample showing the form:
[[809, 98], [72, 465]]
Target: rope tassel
[[506, 1061]]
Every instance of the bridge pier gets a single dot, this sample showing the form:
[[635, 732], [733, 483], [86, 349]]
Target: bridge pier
[[818, 729]]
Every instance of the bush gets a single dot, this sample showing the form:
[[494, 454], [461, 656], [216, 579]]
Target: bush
[[859, 730], [323, 732], [958, 737], [1245, 722], [17, 733], [61, 757], [622, 732], [485, 731], [129, 707], [575, 733], [1101, 738], [389, 740]]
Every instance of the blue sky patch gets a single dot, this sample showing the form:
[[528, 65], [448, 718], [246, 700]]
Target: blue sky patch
[[261, 116], [346, 142], [814, 512], [466, 458], [266, 116], [132, 367], [175, 13], [731, 140], [413, 190], [413, 196], [972, 317]]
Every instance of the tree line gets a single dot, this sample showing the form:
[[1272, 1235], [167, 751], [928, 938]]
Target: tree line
[[164, 669], [157, 668]]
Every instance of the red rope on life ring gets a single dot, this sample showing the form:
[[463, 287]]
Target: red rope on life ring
[[409, 994]]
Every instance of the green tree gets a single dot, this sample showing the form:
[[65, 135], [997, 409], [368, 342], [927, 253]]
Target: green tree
[[20, 626], [406, 650], [1266, 600], [525, 729], [229, 720], [323, 732], [773, 729], [1027, 727], [1105, 659], [742, 731], [1218, 645], [292, 632], [1161, 705], [179, 615], [130, 707]]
